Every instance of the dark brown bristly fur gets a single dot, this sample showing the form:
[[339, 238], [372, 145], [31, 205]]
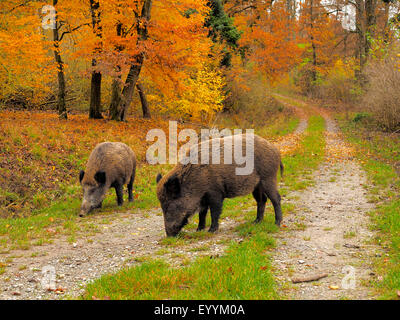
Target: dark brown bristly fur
[[113, 162], [192, 187]]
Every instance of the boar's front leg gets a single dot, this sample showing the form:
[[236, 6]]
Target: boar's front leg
[[216, 203], [120, 192], [275, 198]]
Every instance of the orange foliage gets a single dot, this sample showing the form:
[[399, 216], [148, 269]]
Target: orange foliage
[[177, 46], [317, 28], [269, 37], [24, 61]]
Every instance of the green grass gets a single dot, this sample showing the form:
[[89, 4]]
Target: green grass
[[61, 217], [243, 272], [280, 127], [299, 165], [377, 153]]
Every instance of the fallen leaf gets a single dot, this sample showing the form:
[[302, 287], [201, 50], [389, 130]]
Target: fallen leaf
[[59, 291], [333, 287], [50, 230]]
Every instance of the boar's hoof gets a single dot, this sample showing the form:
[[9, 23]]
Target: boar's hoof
[[213, 229], [257, 221]]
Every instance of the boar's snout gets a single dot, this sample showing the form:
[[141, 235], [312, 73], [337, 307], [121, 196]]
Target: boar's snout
[[171, 232], [86, 207], [172, 228]]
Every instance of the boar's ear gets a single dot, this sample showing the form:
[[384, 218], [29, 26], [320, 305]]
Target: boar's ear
[[173, 187], [81, 174], [159, 177], [100, 177]]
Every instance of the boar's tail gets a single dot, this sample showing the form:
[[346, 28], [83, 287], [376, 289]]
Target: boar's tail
[[282, 168]]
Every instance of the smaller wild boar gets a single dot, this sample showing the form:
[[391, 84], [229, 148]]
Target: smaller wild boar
[[190, 187], [110, 165]]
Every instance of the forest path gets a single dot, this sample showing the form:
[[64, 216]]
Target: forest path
[[112, 242], [329, 231]]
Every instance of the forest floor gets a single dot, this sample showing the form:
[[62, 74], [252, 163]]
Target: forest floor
[[327, 233]]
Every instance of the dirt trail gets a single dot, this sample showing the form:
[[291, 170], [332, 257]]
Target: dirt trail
[[129, 238], [329, 231]]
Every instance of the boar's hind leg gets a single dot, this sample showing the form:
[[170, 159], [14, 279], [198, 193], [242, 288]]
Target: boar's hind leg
[[275, 198], [261, 199], [130, 187], [215, 209]]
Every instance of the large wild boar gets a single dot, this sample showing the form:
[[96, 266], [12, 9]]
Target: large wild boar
[[189, 188], [110, 165]]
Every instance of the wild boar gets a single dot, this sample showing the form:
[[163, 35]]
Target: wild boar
[[110, 165], [190, 187]]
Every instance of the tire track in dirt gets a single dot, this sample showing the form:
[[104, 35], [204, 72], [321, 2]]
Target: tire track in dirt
[[329, 231], [125, 241]]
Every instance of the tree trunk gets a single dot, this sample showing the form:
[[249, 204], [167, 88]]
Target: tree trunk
[[125, 100], [143, 100], [95, 96], [366, 30], [130, 83], [116, 85], [61, 107], [115, 99], [314, 49], [370, 16], [386, 27], [360, 30], [95, 91]]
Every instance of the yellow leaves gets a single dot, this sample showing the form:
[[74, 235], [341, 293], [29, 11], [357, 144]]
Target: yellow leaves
[[343, 69], [338, 151], [202, 97]]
